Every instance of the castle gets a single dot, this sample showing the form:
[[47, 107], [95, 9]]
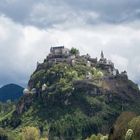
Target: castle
[[61, 54], [58, 52]]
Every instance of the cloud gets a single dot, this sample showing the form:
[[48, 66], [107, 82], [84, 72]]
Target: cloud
[[21, 46], [19, 51], [46, 14], [120, 62]]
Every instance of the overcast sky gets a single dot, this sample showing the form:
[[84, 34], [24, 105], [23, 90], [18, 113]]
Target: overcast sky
[[28, 28]]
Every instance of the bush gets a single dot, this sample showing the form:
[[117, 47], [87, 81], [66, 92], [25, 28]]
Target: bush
[[74, 51], [99, 74], [104, 138], [30, 133], [93, 137], [98, 137]]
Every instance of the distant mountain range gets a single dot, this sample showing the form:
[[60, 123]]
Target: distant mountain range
[[10, 92]]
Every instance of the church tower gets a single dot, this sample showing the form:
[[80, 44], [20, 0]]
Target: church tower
[[102, 55]]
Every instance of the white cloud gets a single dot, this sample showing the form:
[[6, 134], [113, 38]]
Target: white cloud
[[120, 62], [22, 46]]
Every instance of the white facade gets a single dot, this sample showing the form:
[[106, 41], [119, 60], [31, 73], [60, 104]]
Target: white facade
[[44, 87], [89, 75], [33, 91], [26, 91]]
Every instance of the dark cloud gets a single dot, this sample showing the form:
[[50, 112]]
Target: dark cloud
[[17, 10], [45, 13]]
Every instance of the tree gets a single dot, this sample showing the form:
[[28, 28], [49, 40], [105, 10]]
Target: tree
[[74, 51], [121, 126], [99, 74], [3, 135], [30, 133], [134, 124], [98, 137]]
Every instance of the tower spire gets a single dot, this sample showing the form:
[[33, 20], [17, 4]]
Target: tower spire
[[102, 55]]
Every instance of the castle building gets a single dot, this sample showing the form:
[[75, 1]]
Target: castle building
[[59, 52], [102, 60], [26, 91], [102, 55], [124, 74], [106, 64]]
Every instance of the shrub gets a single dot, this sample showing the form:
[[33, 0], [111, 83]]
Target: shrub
[[99, 74], [30, 133], [74, 51], [93, 137], [104, 138], [98, 137]]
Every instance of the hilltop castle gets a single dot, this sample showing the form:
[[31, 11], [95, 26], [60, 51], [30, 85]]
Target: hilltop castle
[[72, 57], [62, 54]]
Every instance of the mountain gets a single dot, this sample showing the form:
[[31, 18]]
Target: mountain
[[72, 96], [10, 92]]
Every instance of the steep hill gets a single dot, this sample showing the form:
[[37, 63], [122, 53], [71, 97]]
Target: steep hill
[[71, 96], [10, 92]]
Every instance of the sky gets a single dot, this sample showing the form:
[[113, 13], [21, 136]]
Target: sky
[[28, 28]]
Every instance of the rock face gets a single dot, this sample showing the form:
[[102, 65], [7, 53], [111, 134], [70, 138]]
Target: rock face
[[24, 104], [73, 104]]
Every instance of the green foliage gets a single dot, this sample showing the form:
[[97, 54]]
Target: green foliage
[[97, 74], [95, 104], [3, 134], [121, 125], [134, 124], [98, 137], [30, 133], [104, 138], [43, 139], [127, 127], [93, 137], [6, 110], [74, 51]]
